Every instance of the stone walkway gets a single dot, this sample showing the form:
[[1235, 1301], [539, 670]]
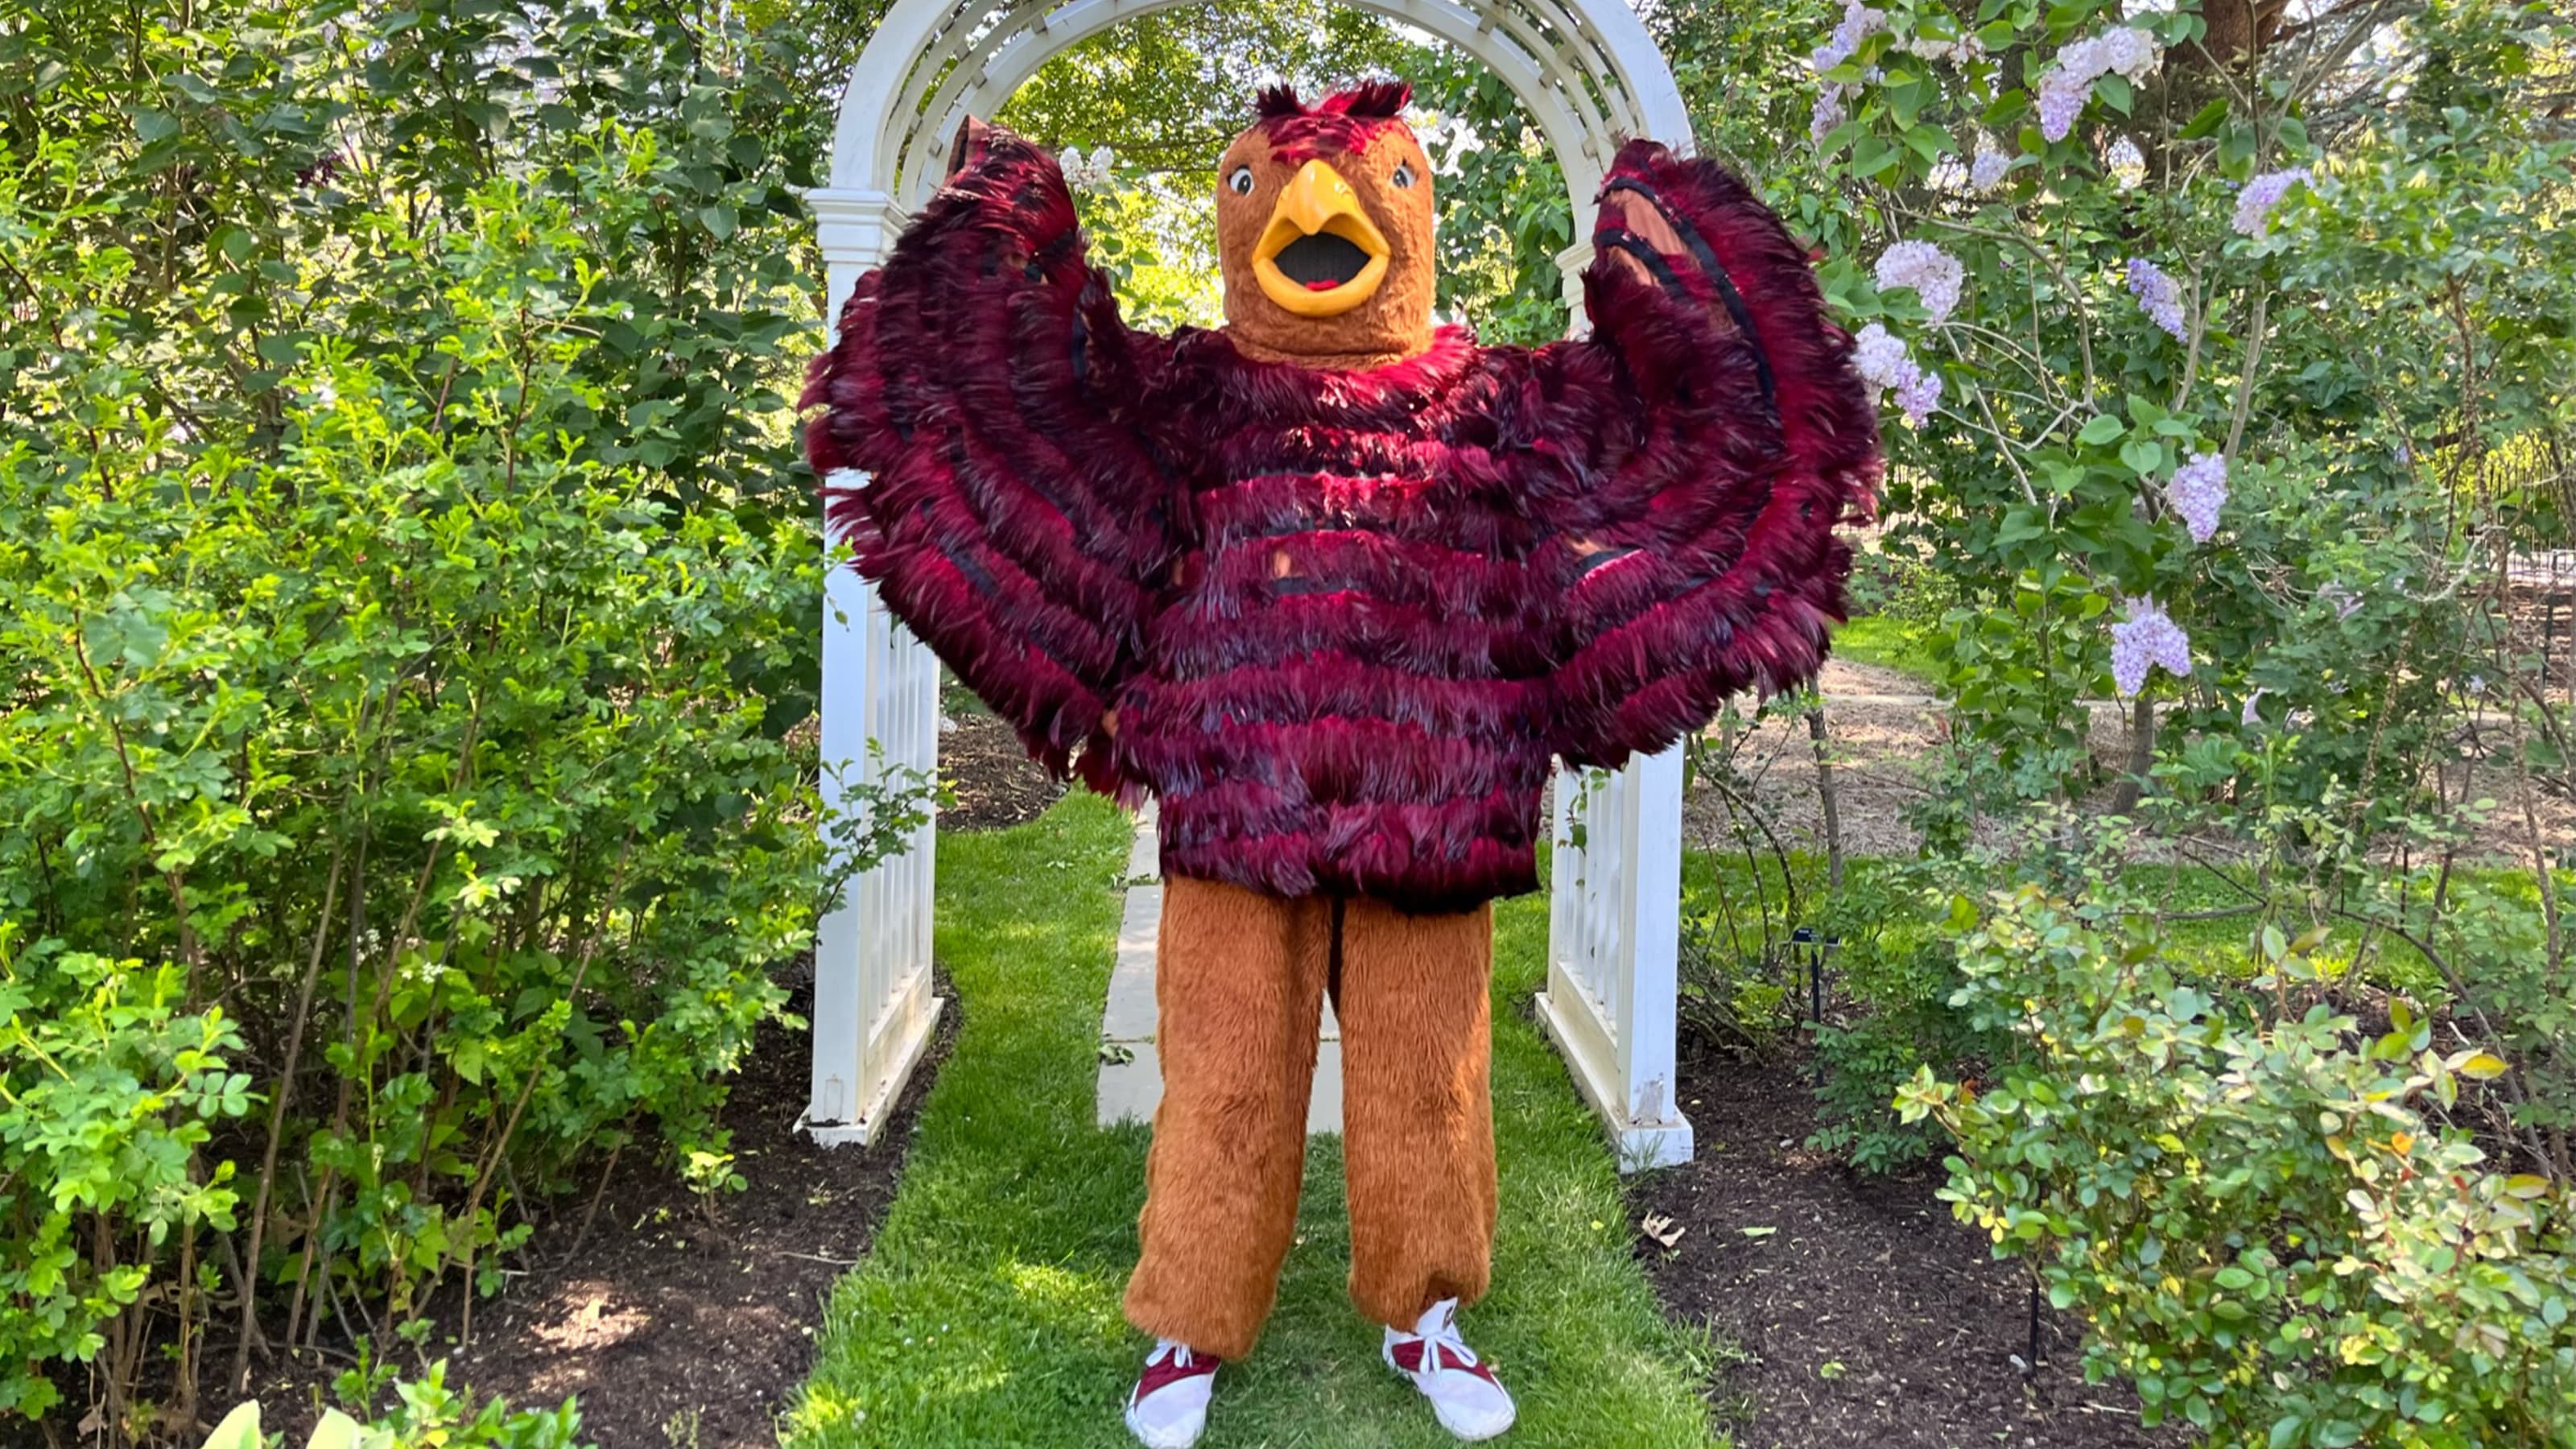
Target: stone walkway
[[1131, 1075]]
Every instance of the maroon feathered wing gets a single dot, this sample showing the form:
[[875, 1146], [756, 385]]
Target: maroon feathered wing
[[1012, 515], [1732, 435]]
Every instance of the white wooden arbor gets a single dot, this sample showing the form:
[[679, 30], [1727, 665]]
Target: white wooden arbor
[[1589, 76]]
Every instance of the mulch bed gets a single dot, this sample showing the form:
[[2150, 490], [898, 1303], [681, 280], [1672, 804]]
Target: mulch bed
[[1865, 1313], [992, 782], [675, 1326]]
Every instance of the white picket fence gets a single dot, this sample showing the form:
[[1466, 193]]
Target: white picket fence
[[1614, 929], [873, 1008]]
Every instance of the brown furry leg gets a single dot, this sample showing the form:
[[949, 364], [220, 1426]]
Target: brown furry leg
[[1417, 1107], [1238, 986]]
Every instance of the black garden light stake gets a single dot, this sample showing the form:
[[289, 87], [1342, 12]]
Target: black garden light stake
[[1814, 947], [2033, 1361]]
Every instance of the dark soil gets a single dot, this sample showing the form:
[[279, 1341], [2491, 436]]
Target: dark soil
[[674, 1326], [1866, 1314], [992, 782]]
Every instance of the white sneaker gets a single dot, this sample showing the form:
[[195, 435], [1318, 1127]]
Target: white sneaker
[[1462, 1388], [1168, 1407]]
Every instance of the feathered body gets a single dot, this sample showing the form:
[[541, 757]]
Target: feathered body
[[1340, 621]]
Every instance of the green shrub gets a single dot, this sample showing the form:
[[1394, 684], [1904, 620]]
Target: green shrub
[[1892, 975], [434, 759], [2512, 978], [2262, 1217], [107, 1090]]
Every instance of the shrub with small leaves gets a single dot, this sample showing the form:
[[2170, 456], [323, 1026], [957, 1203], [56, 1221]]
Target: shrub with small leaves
[[2262, 1218], [109, 1086]]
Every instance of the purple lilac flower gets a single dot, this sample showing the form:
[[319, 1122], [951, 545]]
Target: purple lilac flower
[[1828, 114], [2148, 637], [2253, 713], [1880, 358], [2061, 100], [1966, 50], [2124, 50], [2198, 491], [1859, 23], [2255, 201], [2130, 52], [1990, 167], [1917, 397], [2159, 296], [1934, 274], [2127, 165]]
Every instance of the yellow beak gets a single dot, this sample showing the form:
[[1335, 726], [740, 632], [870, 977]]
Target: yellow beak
[[1318, 202]]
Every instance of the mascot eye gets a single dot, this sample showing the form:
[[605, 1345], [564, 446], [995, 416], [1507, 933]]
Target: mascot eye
[[1240, 182], [1403, 175]]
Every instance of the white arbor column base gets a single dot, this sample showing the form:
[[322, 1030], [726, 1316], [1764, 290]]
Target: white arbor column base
[[1614, 935]]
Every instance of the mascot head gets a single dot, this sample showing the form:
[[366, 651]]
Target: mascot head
[[1324, 227]]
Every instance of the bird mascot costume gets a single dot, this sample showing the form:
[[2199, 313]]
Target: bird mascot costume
[[1336, 586]]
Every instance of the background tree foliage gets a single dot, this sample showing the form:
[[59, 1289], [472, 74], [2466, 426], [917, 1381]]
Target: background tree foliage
[[403, 801]]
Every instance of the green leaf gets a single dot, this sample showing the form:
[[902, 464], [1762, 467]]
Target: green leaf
[[336, 1431], [2206, 122], [239, 1429], [719, 220], [2143, 456], [2102, 429], [2483, 1067]]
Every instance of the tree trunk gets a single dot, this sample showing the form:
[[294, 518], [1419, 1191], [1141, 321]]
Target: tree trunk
[[2142, 756], [1825, 799]]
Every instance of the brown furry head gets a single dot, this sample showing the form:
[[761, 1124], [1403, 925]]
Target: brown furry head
[[1324, 229]]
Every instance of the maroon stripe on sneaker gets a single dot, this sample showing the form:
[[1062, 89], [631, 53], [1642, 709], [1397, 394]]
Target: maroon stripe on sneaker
[[1160, 1376], [1408, 1357], [1480, 1369]]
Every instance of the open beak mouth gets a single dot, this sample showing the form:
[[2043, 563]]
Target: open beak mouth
[[1320, 254]]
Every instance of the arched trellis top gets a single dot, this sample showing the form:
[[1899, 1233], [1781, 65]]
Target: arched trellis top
[[1586, 71]]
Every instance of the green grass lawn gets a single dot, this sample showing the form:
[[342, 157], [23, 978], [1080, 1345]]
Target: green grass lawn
[[1880, 640], [987, 1314]]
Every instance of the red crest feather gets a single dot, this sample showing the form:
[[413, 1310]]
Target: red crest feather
[[1342, 121]]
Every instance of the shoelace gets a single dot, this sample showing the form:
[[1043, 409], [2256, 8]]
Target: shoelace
[[1168, 1364], [1446, 1339]]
